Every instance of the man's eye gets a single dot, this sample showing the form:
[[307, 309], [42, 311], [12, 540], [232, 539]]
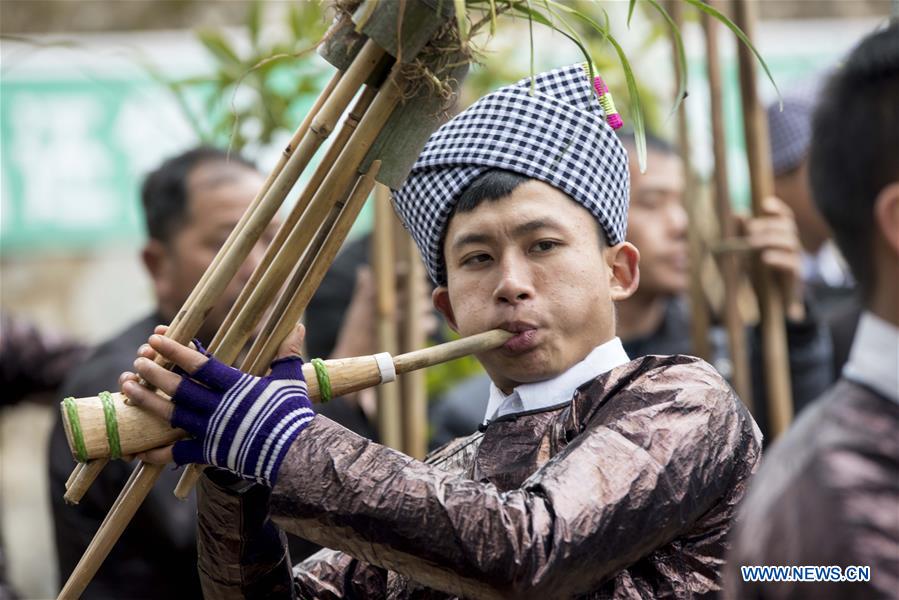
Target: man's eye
[[545, 245], [476, 259]]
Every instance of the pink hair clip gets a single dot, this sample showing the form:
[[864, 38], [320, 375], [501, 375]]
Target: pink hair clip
[[608, 105]]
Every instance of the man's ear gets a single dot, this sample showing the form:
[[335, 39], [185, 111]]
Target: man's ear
[[440, 298], [886, 215], [158, 263], [624, 271]]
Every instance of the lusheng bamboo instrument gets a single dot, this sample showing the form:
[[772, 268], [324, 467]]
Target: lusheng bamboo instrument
[[381, 130], [139, 430]]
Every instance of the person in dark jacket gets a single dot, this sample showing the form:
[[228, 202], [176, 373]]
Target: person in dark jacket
[[595, 476], [191, 203], [656, 319], [827, 495]]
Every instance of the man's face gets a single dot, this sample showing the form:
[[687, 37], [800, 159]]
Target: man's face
[[218, 195], [531, 263], [657, 225]]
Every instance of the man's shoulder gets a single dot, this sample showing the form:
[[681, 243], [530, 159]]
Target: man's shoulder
[[659, 378], [832, 442], [100, 370], [659, 390], [824, 481]]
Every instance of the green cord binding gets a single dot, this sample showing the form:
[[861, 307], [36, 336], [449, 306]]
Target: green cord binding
[[75, 427], [324, 381], [112, 426]]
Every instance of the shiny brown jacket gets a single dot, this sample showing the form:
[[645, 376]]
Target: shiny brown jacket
[[827, 494], [627, 491]]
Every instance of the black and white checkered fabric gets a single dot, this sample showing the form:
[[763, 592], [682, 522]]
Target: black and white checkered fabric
[[557, 135], [790, 130]]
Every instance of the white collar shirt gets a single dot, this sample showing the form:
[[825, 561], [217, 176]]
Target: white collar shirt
[[558, 390], [874, 357]]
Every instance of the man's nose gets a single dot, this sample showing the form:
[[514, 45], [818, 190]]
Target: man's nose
[[677, 219], [516, 281]]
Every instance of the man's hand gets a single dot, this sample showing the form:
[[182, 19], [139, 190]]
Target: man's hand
[[775, 237], [239, 422]]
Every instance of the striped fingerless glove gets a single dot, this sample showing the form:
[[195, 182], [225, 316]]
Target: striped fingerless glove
[[240, 422]]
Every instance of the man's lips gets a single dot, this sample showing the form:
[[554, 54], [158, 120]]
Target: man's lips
[[525, 337]]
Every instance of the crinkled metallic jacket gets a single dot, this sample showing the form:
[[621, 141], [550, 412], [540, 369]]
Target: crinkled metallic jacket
[[627, 491], [826, 495]]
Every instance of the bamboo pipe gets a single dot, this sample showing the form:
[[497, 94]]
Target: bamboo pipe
[[383, 253], [118, 518], [239, 229], [728, 263], [187, 322], [81, 480], [339, 178], [140, 430], [74, 475], [331, 234], [699, 315], [324, 259], [414, 392], [339, 143], [771, 301]]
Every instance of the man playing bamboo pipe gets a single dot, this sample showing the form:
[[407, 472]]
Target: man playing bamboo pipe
[[656, 318], [595, 476]]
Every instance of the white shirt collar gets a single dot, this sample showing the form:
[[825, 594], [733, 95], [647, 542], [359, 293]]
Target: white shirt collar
[[559, 389], [874, 357]]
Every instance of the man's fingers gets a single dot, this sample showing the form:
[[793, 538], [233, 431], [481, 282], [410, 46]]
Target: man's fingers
[[149, 401], [127, 376], [157, 456], [293, 343], [188, 359], [160, 329], [154, 374], [781, 261]]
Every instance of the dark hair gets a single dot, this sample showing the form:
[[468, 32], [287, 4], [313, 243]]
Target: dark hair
[[491, 185], [164, 193], [855, 147], [653, 142]]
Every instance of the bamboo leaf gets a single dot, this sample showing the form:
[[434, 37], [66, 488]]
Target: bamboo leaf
[[636, 107], [492, 17], [254, 20], [630, 11], [531, 33], [713, 12], [681, 54], [461, 20], [215, 43]]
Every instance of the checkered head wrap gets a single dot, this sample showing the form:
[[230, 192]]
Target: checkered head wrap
[[558, 135], [790, 130]]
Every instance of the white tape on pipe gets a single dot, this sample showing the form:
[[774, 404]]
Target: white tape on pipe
[[385, 366]]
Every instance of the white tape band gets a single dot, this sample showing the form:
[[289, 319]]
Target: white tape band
[[385, 366]]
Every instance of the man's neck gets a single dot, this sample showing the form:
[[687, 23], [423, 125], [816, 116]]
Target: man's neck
[[640, 315]]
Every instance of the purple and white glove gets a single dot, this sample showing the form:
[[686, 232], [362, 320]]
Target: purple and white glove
[[241, 422]]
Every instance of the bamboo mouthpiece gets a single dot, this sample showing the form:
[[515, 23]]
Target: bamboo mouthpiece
[[105, 426]]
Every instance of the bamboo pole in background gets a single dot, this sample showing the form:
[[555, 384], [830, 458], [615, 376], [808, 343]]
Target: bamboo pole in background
[[728, 262], [771, 301], [383, 255], [699, 313], [413, 384]]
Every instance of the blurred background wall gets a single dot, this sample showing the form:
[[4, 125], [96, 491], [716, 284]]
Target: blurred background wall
[[95, 94]]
